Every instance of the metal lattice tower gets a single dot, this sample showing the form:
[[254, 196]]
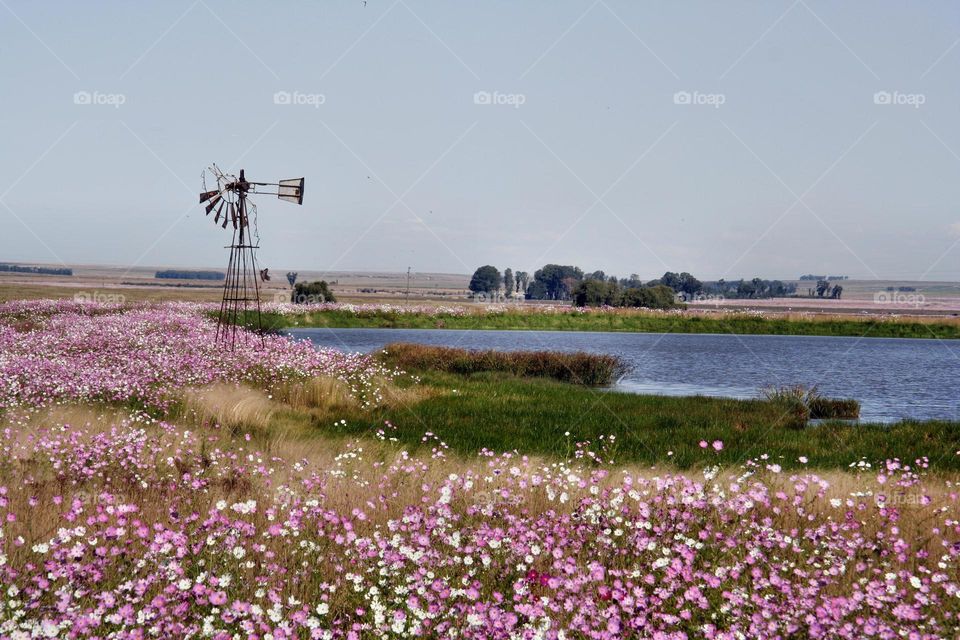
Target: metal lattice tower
[[241, 288]]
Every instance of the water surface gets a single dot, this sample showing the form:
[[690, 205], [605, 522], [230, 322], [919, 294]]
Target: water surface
[[893, 378]]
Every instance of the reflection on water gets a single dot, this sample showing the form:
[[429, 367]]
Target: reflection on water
[[892, 378]]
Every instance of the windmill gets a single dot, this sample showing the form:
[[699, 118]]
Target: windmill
[[230, 206]]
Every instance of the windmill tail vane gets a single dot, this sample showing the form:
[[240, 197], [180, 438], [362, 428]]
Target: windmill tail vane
[[231, 208]]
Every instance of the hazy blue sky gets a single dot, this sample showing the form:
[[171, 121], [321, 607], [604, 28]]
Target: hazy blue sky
[[781, 158]]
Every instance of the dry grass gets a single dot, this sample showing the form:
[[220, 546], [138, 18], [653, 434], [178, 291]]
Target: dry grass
[[231, 406], [394, 396], [315, 393], [284, 418], [331, 395]]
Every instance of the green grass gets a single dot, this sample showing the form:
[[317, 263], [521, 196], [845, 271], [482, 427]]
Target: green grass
[[532, 416], [627, 322], [807, 401]]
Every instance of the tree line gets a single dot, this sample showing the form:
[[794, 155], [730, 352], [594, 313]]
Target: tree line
[[810, 276], [184, 274], [825, 290], [571, 283], [46, 271]]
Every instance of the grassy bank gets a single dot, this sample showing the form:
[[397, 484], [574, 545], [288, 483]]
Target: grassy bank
[[545, 418], [504, 413], [627, 321]]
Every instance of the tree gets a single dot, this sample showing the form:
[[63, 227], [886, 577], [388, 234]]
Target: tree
[[670, 279], [508, 281], [558, 280], [680, 282], [536, 290], [689, 285], [486, 279], [312, 293], [292, 278], [777, 288], [655, 297], [822, 287], [523, 279], [746, 289], [594, 292], [633, 282], [837, 290]]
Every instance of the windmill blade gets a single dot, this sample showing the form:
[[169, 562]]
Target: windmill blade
[[213, 202], [226, 218], [234, 215], [216, 218], [206, 195]]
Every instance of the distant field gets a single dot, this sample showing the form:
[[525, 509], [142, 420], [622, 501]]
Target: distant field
[[138, 284]]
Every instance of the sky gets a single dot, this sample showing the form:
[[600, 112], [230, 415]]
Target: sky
[[727, 139]]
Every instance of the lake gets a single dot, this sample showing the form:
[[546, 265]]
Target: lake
[[892, 378]]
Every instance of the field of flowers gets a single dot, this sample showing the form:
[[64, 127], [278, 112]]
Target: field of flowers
[[116, 522], [143, 529], [54, 350]]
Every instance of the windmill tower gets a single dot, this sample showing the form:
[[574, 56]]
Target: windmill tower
[[231, 207]]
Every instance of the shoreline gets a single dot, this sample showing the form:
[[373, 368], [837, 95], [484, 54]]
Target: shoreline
[[617, 322]]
